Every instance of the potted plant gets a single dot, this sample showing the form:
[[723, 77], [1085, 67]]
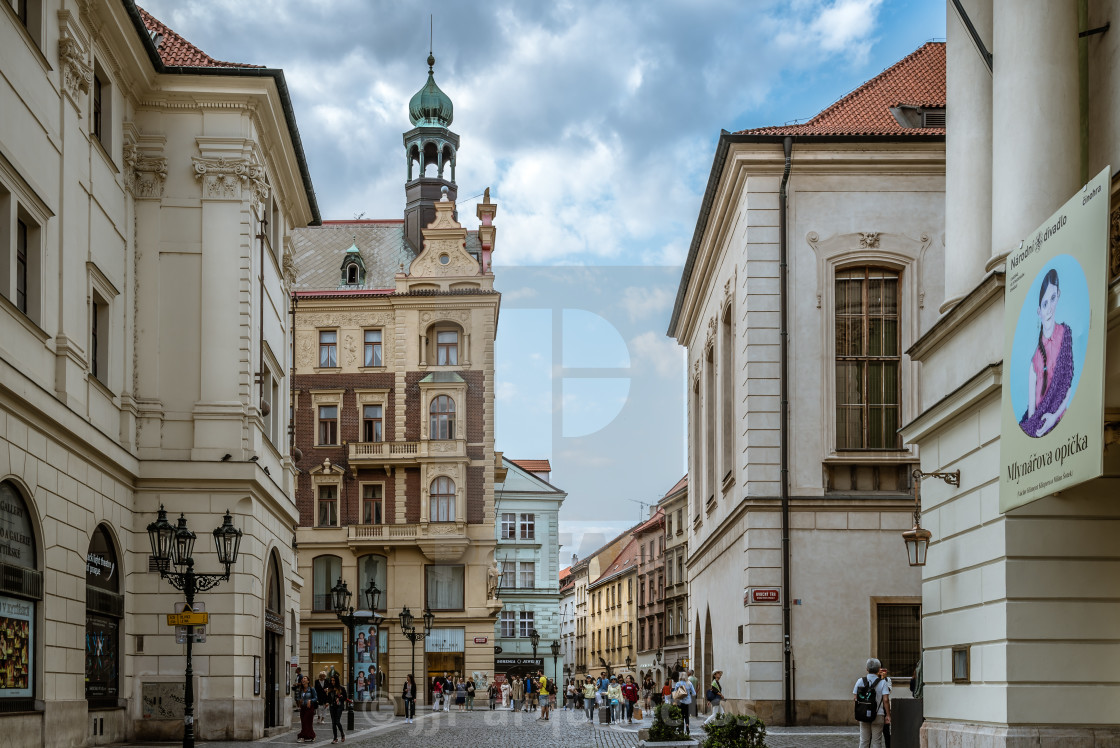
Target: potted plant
[[733, 731], [667, 729]]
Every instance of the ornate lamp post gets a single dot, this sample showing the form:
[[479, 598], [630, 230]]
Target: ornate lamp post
[[534, 639], [412, 634], [555, 647], [628, 661], [175, 546], [340, 601]]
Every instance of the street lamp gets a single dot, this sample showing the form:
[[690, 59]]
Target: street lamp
[[340, 601], [917, 538], [534, 639], [410, 631], [175, 546], [555, 647]]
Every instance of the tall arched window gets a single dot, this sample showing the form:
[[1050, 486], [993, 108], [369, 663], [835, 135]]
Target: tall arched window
[[443, 500], [373, 568], [442, 425], [21, 589], [325, 573], [104, 610]]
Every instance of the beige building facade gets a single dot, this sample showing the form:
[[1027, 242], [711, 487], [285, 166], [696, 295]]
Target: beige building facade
[[674, 648], [612, 613], [816, 263], [144, 218], [1019, 606]]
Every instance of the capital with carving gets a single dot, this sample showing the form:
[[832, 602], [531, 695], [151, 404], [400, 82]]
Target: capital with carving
[[144, 175], [228, 178], [77, 72]]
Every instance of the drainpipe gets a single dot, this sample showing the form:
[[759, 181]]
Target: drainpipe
[[783, 296]]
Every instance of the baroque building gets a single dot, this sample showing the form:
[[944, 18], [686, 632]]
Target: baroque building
[[816, 263], [147, 192], [393, 402], [613, 611], [527, 509]]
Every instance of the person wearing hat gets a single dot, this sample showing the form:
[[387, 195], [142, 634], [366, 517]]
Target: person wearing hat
[[614, 699]]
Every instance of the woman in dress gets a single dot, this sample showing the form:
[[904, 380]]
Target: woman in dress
[[305, 700], [1050, 376], [409, 696], [336, 700], [460, 694], [505, 695]]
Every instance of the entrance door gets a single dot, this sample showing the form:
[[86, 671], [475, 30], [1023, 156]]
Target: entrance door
[[271, 680]]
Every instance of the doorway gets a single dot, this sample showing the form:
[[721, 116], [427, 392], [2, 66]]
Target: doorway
[[273, 645]]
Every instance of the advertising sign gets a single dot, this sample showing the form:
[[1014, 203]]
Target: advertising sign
[[102, 657], [16, 646], [1052, 429]]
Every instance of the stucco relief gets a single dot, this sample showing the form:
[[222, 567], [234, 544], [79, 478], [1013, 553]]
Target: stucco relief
[[441, 446], [869, 240], [344, 319], [144, 175], [227, 178], [443, 257], [289, 267], [350, 348], [305, 349], [77, 72], [445, 315]]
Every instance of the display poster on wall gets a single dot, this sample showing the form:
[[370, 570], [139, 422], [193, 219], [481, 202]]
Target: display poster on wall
[[1052, 428], [102, 657], [16, 645]]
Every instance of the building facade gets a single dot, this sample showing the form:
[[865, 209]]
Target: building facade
[[567, 621], [650, 630], [393, 402], [145, 211], [1017, 603], [612, 612], [527, 508], [675, 647], [815, 264]]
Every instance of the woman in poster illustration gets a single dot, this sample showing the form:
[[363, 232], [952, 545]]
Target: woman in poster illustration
[[1050, 376]]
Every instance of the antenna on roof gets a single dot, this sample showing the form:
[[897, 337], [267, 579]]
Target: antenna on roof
[[431, 32]]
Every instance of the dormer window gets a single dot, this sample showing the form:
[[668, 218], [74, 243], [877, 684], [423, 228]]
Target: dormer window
[[910, 116], [353, 267], [352, 274]]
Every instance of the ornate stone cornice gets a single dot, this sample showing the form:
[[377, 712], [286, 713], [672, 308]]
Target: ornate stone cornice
[[144, 174], [228, 178]]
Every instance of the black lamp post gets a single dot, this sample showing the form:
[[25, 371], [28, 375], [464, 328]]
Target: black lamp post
[[413, 635], [555, 647], [534, 639], [175, 545], [340, 601]]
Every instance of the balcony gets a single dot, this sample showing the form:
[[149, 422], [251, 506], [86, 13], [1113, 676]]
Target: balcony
[[366, 454], [439, 541]]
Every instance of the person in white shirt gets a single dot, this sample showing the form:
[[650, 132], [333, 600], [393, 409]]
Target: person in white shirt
[[871, 733]]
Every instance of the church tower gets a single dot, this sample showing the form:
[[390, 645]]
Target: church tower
[[431, 150]]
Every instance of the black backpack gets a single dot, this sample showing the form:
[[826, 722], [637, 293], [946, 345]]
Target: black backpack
[[867, 706]]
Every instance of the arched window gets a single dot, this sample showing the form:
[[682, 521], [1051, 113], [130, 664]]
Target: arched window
[[443, 500], [325, 573], [351, 274], [104, 610], [442, 424], [21, 588], [373, 568]]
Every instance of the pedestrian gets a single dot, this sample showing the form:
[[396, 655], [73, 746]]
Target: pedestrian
[[603, 684], [306, 701], [715, 697], [871, 733], [492, 694], [470, 695], [695, 690], [336, 700], [614, 697], [667, 691], [321, 697], [518, 694], [886, 727], [543, 692], [570, 695], [647, 691], [437, 694], [408, 693], [506, 689], [630, 696], [683, 695], [448, 690]]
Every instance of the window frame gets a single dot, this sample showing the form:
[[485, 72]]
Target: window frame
[[373, 351], [526, 622], [330, 424], [321, 502], [526, 568], [373, 427], [328, 347], [372, 500], [899, 671], [462, 586], [319, 598], [507, 624], [444, 498], [447, 354], [441, 423], [526, 521], [507, 526]]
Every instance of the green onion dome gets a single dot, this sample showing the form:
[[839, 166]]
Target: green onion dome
[[430, 105]]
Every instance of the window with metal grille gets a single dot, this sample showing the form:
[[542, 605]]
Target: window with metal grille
[[899, 635], [868, 357], [933, 118]]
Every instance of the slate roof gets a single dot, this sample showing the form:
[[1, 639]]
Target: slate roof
[[916, 80], [176, 51], [318, 251]]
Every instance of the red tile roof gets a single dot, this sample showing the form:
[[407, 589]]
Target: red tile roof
[[916, 80], [681, 484], [623, 562], [533, 466], [654, 522], [565, 573], [175, 51]]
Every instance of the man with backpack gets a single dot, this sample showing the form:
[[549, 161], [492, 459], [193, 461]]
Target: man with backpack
[[872, 696]]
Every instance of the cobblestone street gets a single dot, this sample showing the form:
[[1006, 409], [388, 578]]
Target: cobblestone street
[[482, 728]]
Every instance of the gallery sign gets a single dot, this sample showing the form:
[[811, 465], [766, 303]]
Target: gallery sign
[[1052, 426]]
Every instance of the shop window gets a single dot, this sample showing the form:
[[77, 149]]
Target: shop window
[[21, 591], [898, 637]]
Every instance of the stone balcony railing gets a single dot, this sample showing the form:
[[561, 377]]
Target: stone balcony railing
[[439, 541], [381, 453]]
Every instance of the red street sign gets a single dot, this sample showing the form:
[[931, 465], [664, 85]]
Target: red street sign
[[480, 640], [765, 596]]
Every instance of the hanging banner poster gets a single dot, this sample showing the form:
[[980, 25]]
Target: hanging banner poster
[[1052, 430], [16, 646]]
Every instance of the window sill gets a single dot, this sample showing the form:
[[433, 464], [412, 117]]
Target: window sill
[[372, 369], [326, 369], [22, 317], [710, 504], [848, 457], [728, 481], [100, 147], [99, 385]]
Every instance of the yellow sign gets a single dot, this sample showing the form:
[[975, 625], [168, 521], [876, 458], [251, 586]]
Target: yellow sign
[[188, 619]]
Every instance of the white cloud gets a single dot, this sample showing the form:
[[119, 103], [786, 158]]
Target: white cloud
[[643, 303], [652, 350]]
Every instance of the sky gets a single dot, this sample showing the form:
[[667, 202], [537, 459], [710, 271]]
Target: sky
[[594, 124]]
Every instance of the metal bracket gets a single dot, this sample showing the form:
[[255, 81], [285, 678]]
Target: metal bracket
[[953, 478], [1097, 30]]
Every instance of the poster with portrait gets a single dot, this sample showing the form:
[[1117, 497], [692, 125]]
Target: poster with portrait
[[16, 646], [1052, 430]]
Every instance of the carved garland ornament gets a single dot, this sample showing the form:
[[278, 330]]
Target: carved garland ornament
[[227, 177]]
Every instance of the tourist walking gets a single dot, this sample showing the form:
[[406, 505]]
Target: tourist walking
[[518, 694], [589, 693], [629, 698], [336, 700], [306, 701], [492, 694], [408, 693], [506, 689], [684, 694], [321, 697], [614, 698], [695, 690], [470, 694], [871, 733], [715, 697], [461, 694], [647, 691]]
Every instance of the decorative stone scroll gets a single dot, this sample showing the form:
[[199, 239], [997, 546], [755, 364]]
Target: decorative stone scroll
[[77, 72], [228, 178], [144, 175]]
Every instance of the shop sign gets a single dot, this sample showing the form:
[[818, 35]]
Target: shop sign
[[505, 663], [17, 544], [1055, 315], [273, 622], [480, 640]]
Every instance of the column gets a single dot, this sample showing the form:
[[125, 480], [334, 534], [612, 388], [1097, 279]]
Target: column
[[1035, 143], [968, 149]]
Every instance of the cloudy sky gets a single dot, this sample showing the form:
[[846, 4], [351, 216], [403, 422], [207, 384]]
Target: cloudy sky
[[594, 124]]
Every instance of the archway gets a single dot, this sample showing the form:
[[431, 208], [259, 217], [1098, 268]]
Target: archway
[[104, 611], [273, 642], [21, 592], [709, 654]]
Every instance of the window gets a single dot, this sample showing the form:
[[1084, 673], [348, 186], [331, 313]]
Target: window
[[525, 621], [509, 525], [352, 278], [442, 411], [680, 521], [372, 343], [670, 627], [961, 665], [325, 573], [899, 636], [447, 348], [528, 522], [96, 121], [669, 524], [445, 587], [328, 424], [669, 571], [727, 393], [104, 610], [326, 511], [328, 349], [642, 633], [528, 575], [373, 504], [442, 493], [680, 568], [99, 338], [710, 424], [21, 266], [868, 358], [508, 624], [629, 590], [509, 574], [641, 592], [372, 568], [372, 421]]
